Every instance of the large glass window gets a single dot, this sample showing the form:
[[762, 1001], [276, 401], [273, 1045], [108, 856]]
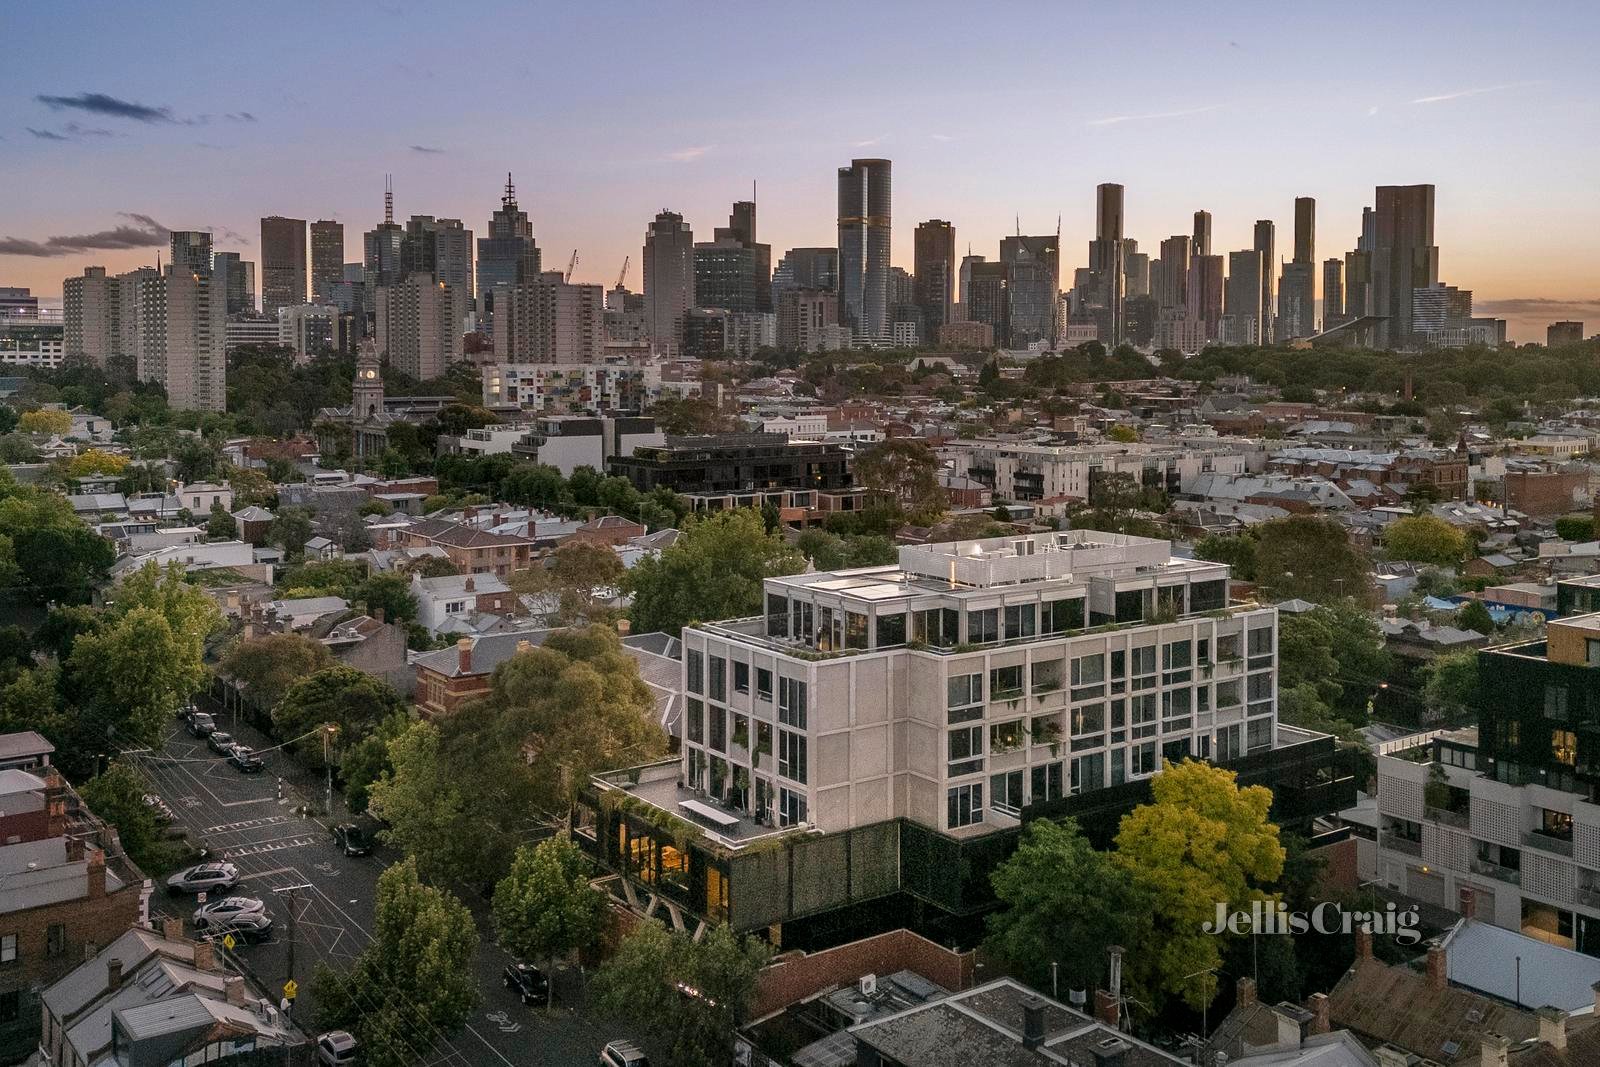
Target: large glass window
[[777, 615], [1005, 792], [1143, 759], [983, 626], [939, 627], [965, 752], [791, 807], [1208, 596], [1062, 615], [1144, 667], [1005, 736], [792, 756], [965, 689], [1046, 676], [1021, 621], [741, 677], [696, 662], [696, 721], [964, 804], [792, 702], [1088, 772], [719, 678], [763, 684], [718, 727], [1088, 676], [891, 630], [855, 630], [1176, 656], [1130, 605], [1046, 782], [1005, 682]]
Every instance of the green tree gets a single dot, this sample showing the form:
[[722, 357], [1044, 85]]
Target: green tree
[[545, 908], [268, 667], [413, 981], [1338, 650], [713, 571], [353, 701], [905, 469], [1202, 840], [45, 421], [1122, 434], [1309, 556], [1474, 616], [1424, 539], [1238, 551], [1450, 687], [117, 796], [1579, 527], [577, 581], [392, 593], [61, 562], [290, 531], [646, 978], [1063, 903], [134, 672], [221, 526], [367, 760]]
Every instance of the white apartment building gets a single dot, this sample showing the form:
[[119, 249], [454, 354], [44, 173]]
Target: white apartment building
[[182, 319], [972, 679], [1019, 472], [803, 424], [420, 324], [570, 387]]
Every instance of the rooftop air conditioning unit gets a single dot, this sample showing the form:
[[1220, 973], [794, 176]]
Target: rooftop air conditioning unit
[[867, 985]]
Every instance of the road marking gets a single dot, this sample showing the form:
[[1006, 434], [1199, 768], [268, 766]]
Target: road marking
[[503, 1021], [267, 846], [267, 874], [247, 824]]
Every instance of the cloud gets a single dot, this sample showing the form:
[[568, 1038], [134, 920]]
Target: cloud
[[1373, 110], [868, 143], [1537, 305], [689, 155], [145, 232], [86, 131], [1460, 94], [239, 116], [427, 150], [942, 137], [47, 135], [1114, 120], [101, 104]]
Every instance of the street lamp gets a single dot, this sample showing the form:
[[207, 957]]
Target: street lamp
[[327, 761]]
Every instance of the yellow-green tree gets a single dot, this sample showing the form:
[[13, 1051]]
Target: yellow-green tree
[[1201, 841], [95, 461], [1424, 539], [45, 420]]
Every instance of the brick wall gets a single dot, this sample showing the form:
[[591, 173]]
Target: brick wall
[[794, 979], [1339, 873]]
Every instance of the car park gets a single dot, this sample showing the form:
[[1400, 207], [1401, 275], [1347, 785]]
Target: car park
[[204, 878], [527, 982], [201, 724], [245, 759], [352, 839], [623, 1054]]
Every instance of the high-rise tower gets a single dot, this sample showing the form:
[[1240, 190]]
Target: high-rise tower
[[283, 264], [1404, 257], [327, 259], [668, 280], [934, 260], [508, 256], [864, 218]]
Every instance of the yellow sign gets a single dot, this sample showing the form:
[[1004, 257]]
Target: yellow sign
[[290, 988], [228, 942]]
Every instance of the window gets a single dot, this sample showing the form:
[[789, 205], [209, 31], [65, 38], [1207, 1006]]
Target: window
[[1089, 772], [1259, 733], [939, 627], [1005, 736], [1592, 652], [1005, 682], [697, 769], [741, 677], [1130, 605], [718, 728], [1062, 615], [1088, 726], [1176, 706], [855, 630], [1005, 792], [791, 807], [1119, 671], [1555, 702], [455, 607], [697, 721], [891, 630], [983, 626], [1564, 747], [1046, 782], [719, 678], [1260, 644], [1088, 670], [1144, 759], [8, 948], [695, 660], [1176, 659], [964, 806], [55, 938], [1175, 751], [1260, 687], [1021, 621], [1144, 715], [1119, 721], [1202, 651], [763, 684], [1144, 667], [1230, 742], [792, 702], [1046, 676], [965, 751], [10, 1006], [803, 620], [1228, 694], [965, 689], [777, 615], [792, 756]]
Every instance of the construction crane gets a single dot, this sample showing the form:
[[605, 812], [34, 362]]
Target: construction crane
[[572, 265], [623, 273]]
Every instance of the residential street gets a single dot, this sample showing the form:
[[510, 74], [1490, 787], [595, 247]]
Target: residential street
[[240, 818]]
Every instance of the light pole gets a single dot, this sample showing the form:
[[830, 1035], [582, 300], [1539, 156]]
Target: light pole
[[327, 761], [1205, 1009]]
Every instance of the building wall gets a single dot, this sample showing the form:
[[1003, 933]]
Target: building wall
[[797, 978]]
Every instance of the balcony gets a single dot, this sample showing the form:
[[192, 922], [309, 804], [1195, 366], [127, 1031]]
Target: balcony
[[1389, 840], [1458, 819], [1558, 846], [1494, 870], [1588, 896]]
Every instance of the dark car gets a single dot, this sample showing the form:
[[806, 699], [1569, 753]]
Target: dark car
[[201, 724], [221, 743], [352, 839], [245, 760], [527, 982]]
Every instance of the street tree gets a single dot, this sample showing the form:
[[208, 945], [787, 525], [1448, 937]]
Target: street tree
[[117, 796], [545, 907], [713, 571], [906, 469], [268, 667], [353, 701], [389, 592], [1424, 539], [577, 581], [221, 526], [290, 531], [134, 672], [1310, 557]]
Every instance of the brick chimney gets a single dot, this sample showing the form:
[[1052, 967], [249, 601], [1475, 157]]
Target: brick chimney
[[74, 849], [469, 513], [470, 585], [205, 956], [623, 626], [1496, 1050], [1363, 944], [1032, 1022], [55, 804], [1105, 1007], [96, 874], [1438, 974], [1553, 1027], [233, 989], [1320, 1007], [1469, 902], [464, 655], [172, 929], [1244, 993], [113, 974]]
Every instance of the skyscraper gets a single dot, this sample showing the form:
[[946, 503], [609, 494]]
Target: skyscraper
[[1202, 233], [964, 285], [1305, 229], [1106, 260], [283, 264], [1205, 294], [1332, 292], [733, 271], [864, 219], [668, 280], [420, 323], [807, 268], [380, 246], [1404, 257], [509, 255], [1265, 242], [1033, 290], [236, 281], [327, 259], [934, 260], [1242, 317], [183, 338], [1169, 274], [89, 316], [1297, 292], [985, 299], [1135, 270], [549, 320], [190, 250]]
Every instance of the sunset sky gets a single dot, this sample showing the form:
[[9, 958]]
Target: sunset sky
[[121, 117]]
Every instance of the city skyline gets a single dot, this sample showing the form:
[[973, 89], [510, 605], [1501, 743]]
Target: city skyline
[[595, 155]]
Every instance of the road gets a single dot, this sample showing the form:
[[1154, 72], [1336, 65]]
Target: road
[[242, 819]]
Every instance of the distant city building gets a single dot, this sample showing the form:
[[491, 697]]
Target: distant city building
[[1441, 316], [987, 299], [182, 323], [380, 246], [1107, 260], [309, 329], [808, 268], [733, 271], [439, 249], [1169, 274], [1242, 318], [1135, 269], [934, 260], [419, 325], [1266, 236], [1489, 332], [1033, 289], [236, 280], [327, 259], [549, 321], [509, 255], [668, 280], [1563, 333], [966, 334], [1404, 257], [865, 197], [18, 303], [570, 387], [189, 250], [89, 315], [1332, 292], [283, 263], [1202, 233], [802, 316], [964, 284], [253, 331], [1297, 313], [1205, 293]]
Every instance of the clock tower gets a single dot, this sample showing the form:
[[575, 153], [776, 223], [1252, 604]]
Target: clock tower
[[367, 391]]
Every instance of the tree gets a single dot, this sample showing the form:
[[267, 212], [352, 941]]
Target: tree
[[1311, 557], [1579, 527], [1122, 434], [714, 570], [1202, 840], [251, 487], [268, 667], [93, 461], [695, 995], [545, 908], [196, 459], [1424, 539], [221, 526], [117, 796], [45, 421], [1450, 687], [577, 581], [430, 816], [61, 562], [135, 671], [1238, 551], [413, 981], [906, 469], [1474, 616], [690, 415], [367, 760], [1063, 903], [290, 531], [1336, 649], [353, 701], [389, 592]]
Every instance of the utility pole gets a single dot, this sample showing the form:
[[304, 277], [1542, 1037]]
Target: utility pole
[[327, 762], [294, 910]]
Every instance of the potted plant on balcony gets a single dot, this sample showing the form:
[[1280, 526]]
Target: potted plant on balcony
[[741, 733], [1048, 732]]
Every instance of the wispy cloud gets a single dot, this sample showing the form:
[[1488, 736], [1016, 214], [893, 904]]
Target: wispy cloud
[[144, 232], [427, 150], [868, 143], [102, 104], [1538, 305], [1115, 120], [942, 137], [689, 155], [239, 116], [47, 135], [1461, 94], [1373, 110], [87, 131]]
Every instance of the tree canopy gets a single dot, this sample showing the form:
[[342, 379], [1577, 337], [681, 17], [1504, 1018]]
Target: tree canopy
[[269, 666], [713, 571], [545, 908], [906, 469], [1424, 539], [1311, 557]]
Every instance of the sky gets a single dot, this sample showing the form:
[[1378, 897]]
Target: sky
[[118, 121]]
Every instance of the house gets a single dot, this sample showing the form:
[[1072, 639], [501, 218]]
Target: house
[[1425, 641], [24, 750], [609, 530], [1267, 1035], [153, 997], [472, 550], [299, 613], [254, 522], [323, 549], [201, 497], [463, 603], [214, 555]]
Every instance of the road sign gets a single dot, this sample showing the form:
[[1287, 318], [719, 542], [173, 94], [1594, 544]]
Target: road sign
[[228, 942], [290, 988]]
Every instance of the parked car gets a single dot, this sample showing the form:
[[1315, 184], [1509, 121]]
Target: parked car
[[201, 724], [203, 878], [623, 1054], [154, 802], [352, 839], [336, 1048], [220, 742], [527, 982], [185, 710], [245, 760], [246, 916]]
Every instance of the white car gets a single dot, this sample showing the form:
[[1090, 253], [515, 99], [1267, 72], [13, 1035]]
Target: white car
[[336, 1048], [219, 912], [203, 878]]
